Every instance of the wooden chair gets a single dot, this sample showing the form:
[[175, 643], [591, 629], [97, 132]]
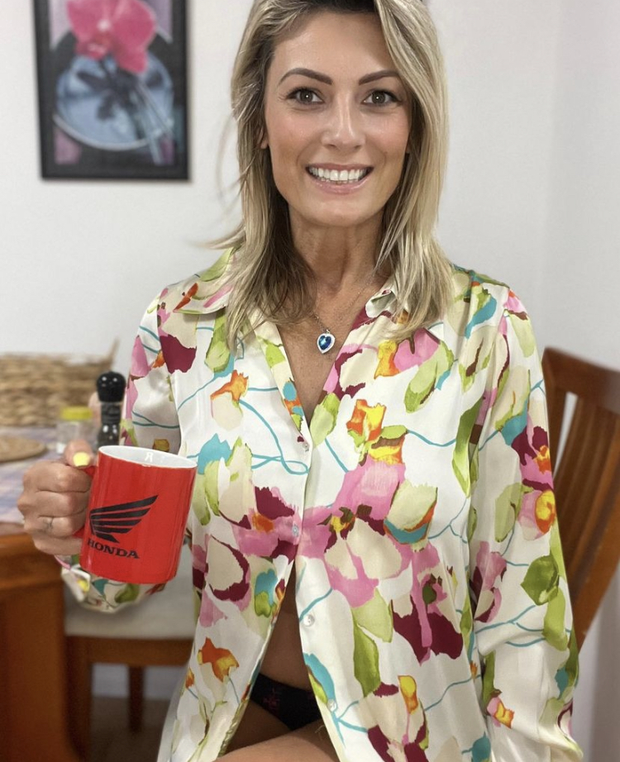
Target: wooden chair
[[587, 476], [156, 632]]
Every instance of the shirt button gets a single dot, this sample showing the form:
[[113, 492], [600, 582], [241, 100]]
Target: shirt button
[[305, 446], [295, 530], [332, 705], [308, 620]]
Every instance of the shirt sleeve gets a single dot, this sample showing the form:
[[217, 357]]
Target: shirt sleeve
[[150, 415], [520, 599], [149, 420]]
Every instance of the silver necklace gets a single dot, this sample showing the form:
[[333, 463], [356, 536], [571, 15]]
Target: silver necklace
[[326, 339]]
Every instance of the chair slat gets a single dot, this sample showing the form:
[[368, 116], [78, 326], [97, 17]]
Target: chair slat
[[601, 506], [576, 486], [587, 476]]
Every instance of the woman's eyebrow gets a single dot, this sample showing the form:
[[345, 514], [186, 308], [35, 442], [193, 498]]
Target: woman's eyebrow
[[328, 80]]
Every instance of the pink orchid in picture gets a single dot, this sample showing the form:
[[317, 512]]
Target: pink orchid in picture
[[120, 28]]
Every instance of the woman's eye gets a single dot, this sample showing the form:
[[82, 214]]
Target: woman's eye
[[382, 98], [304, 96]]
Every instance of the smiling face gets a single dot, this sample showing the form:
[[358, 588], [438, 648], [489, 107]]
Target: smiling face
[[337, 122]]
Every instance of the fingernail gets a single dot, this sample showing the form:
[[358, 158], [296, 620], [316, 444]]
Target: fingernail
[[81, 459]]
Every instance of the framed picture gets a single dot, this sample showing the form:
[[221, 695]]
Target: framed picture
[[112, 78]]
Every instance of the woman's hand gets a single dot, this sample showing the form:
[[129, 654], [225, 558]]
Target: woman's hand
[[54, 500]]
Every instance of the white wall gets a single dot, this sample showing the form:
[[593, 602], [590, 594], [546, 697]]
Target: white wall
[[501, 60], [531, 198], [582, 311]]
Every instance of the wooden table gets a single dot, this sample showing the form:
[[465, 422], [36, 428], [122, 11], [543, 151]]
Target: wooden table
[[33, 675], [33, 663]]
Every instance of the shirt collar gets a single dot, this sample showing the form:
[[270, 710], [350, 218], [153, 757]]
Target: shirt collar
[[388, 289], [384, 300], [208, 291], [205, 292]]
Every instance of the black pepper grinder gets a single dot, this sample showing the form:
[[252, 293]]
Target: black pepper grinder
[[110, 390]]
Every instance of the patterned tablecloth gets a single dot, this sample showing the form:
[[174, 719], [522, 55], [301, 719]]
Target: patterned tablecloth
[[12, 473]]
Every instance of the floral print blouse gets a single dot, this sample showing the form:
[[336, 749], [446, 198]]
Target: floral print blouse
[[416, 506]]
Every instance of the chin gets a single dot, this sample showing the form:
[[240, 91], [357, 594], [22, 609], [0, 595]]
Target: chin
[[338, 218]]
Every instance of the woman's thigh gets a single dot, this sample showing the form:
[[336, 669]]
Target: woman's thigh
[[257, 725], [310, 744]]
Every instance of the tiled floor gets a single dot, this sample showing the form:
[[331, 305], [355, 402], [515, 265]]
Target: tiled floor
[[111, 739]]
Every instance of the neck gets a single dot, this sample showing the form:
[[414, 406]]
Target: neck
[[340, 258]]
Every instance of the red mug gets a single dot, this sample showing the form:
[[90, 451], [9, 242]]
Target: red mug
[[136, 514]]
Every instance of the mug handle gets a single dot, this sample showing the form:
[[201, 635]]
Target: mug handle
[[90, 471]]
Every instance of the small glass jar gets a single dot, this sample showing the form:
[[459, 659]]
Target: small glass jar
[[74, 422]]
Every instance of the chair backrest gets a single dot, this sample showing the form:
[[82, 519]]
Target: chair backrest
[[587, 476]]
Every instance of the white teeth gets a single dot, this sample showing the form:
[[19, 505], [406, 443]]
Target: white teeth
[[335, 176]]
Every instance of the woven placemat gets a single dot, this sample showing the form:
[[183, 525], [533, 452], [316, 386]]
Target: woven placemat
[[19, 448]]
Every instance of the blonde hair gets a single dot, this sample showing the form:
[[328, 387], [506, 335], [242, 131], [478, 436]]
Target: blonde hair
[[268, 273]]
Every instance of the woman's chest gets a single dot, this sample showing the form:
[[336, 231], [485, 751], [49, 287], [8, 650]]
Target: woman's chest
[[309, 367], [387, 447]]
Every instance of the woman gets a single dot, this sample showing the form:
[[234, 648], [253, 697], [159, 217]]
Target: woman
[[376, 560]]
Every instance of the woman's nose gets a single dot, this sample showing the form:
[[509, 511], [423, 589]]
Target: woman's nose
[[344, 126]]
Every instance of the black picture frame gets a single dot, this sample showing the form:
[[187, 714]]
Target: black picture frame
[[98, 120]]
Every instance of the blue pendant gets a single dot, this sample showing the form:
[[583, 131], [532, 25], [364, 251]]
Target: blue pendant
[[325, 342]]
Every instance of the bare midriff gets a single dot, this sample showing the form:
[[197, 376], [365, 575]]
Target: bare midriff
[[283, 660]]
